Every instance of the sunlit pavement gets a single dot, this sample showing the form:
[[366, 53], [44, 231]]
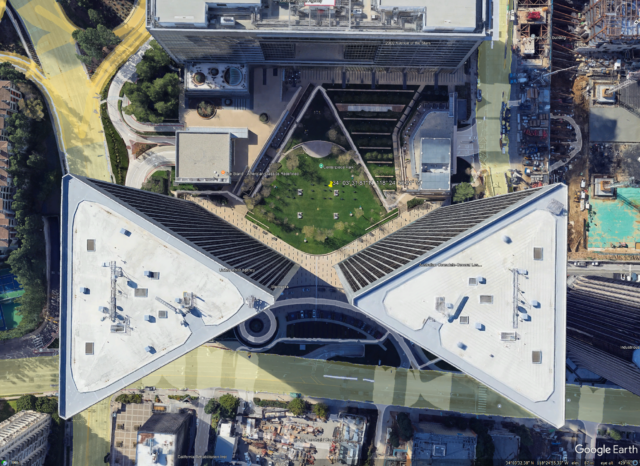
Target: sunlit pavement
[[494, 66], [3, 4], [73, 97], [92, 434]]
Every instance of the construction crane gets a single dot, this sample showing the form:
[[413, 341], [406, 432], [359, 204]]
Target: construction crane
[[629, 183], [632, 78]]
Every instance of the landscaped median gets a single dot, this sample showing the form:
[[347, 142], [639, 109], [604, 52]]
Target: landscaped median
[[118, 155], [317, 205]]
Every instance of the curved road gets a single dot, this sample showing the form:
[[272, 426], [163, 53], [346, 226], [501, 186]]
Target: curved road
[[74, 99], [140, 168]]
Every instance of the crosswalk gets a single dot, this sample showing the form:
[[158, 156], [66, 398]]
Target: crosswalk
[[482, 399]]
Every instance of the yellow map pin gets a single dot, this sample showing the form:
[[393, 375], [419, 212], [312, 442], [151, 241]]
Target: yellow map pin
[[331, 184]]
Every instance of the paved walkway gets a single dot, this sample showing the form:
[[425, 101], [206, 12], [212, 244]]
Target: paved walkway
[[74, 99], [320, 265], [152, 160], [578, 145], [494, 66]]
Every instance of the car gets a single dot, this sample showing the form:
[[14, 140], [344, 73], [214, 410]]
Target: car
[[595, 264], [479, 96], [580, 264]]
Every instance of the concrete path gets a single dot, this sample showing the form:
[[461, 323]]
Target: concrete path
[[317, 149], [578, 145], [142, 167], [73, 99]]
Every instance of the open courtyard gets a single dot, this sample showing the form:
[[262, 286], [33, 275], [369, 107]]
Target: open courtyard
[[300, 205]]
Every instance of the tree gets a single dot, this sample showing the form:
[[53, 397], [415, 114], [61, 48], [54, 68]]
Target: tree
[[298, 406], [394, 439], [46, 405], [154, 101], [614, 434], [32, 108], [463, 192], [26, 403], [229, 405], [321, 410], [154, 63], [405, 428], [95, 17], [8, 72], [92, 41], [212, 406]]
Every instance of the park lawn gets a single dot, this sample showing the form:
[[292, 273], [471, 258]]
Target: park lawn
[[279, 209], [7, 409]]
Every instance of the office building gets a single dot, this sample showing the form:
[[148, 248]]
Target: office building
[[437, 445], [147, 278], [482, 285], [350, 33], [161, 440], [603, 329], [24, 438]]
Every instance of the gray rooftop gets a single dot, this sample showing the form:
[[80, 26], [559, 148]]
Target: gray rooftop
[[203, 156], [436, 150], [165, 423]]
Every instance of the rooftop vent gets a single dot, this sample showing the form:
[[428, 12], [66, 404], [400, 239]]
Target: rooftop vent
[[536, 357], [508, 336], [88, 348], [506, 239], [523, 271], [83, 290], [104, 309], [147, 318], [163, 314], [227, 21], [125, 232], [473, 281], [464, 319], [479, 326], [535, 303], [486, 299], [152, 275], [141, 292], [91, 245], [149, 349], [440, 303], [461, 345], [537, 254], [117, 328]]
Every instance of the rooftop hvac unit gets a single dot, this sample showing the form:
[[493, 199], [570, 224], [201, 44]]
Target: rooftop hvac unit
[[91, 245], [148, 349], [83, 290], [508, 336], [461, 345], [88, 348], [486, 299], [440, 303], [473, 281], [227, 22], [479, 326], [537, 254], [535, 303], [536, 357], [506, 239], [163, 314], [141, 292], [117, 328], [147, 317], [125, 232], [464, 319], [523, 271], [104, 309]]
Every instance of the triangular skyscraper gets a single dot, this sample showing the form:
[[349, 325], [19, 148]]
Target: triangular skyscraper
[[145, 278], [481, 285]]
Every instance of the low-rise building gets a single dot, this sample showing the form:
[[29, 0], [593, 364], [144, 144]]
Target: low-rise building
[[161, 439], [23, 438], [440, 445], [226, 443]]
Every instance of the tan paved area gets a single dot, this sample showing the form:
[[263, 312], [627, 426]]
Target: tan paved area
[[209, 367], [92, 434], [266, 99], [318, 265], [494, 66], [30, 375], [131, 416]]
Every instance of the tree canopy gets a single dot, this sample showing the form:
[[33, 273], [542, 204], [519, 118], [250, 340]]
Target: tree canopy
[[321, 410], [405, 428], [26, 403], [154, 63], [212, 406], [298, 406], [8, 72], [463, 192], [93, 40], [229, 405]]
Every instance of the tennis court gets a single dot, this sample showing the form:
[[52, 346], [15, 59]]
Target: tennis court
[[9, 290]]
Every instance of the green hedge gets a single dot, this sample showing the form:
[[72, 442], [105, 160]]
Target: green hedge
[[118, 155]]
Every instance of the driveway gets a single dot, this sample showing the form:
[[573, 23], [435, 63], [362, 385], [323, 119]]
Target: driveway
[[152, 160]]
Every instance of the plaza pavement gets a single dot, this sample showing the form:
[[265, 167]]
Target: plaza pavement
[[320, 265]]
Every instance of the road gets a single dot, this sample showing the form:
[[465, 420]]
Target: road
[[73, 97], [494, 66], [602, 270], [202, 434], [92, 434], [143, 166]]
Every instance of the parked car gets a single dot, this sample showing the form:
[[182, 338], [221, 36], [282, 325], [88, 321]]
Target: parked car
[[580, 264], [596, 264], [479, 95]]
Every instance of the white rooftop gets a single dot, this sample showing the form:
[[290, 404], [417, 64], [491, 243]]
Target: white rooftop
[[157, 449], [115, 354], [406, 301]]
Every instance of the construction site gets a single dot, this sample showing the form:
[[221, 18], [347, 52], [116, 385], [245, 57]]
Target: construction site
[[279, 438], [595, 111]]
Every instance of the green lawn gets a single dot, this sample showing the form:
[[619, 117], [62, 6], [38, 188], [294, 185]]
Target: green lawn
[[279, 209], [7, 409]]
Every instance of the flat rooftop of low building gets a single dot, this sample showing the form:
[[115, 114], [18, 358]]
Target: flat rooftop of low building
[[203, 156], [465, 302], [456, 16], [189, 11]]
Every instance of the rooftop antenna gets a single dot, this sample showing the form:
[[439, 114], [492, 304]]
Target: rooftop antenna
[[115, 273]]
